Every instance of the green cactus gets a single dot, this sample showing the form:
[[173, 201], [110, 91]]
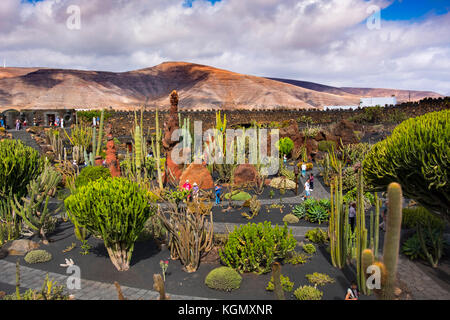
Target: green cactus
[[339, 228], [392, 239], [361, 233], [100, 133], [276, 275]]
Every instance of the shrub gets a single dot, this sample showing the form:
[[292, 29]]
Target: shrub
[[89, 174], [415, 156], [412, 248], [115, 209], [286, 284], [290, 219], [295, 258], [317, 213], [299, 211], [239, 196], [319, 279], [285, 146], [317, 235], [254, 247], [309, 248], [223, 278], [327, 145], [349, 179], [19, 164], [308, 293], [38, 256], [412, 217]]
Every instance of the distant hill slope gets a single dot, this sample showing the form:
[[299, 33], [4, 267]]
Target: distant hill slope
[[401, 95], [200, 87]]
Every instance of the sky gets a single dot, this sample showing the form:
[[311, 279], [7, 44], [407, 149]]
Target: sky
[[402, 44]]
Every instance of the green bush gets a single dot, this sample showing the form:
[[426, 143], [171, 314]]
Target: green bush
[[309, 248], [115, 210], [317, 235], [290, 219], [350, 196], [416, 156], [239, 196], [295, 258], [319, 279], [19, 164], [91, 173], [412, 217], [317, 213], [327, 145], [349, 179], [38, 256], [308, 293], [412, 248], [223, 278], [254, 247], [313, 210], [286, 284], [285, 146]]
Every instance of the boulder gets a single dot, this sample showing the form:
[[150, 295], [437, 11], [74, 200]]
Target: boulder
[[111, 157], [245, 173], [19, 247], [173, 170], [197, 173], [345, 131]]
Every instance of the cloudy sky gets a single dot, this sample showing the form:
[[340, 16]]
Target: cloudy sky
[[334, 42]]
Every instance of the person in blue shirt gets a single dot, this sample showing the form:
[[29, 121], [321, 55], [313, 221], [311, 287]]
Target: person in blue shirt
[[2, 123], [218, 190]]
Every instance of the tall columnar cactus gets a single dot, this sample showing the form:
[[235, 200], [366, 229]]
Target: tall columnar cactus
[[100, 133], [276, 274], [339, 228], [156, 146], [361, 233], [392, 239], [138, 149]]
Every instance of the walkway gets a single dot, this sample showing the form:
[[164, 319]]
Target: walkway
[[26, 138], [90, 290]]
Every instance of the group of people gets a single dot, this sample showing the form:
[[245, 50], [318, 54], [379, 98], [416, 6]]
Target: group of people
[[59, 122], [195, 190]]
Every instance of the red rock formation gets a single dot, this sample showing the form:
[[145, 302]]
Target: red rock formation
[[245, 173], [111, 157], [197, 173]]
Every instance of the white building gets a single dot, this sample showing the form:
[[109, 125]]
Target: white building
[[340, 107], [379, 101]]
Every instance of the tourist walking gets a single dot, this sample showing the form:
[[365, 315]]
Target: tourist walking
[[303, 169], [2, 122], [17, 124], [187, 186], [384, 216], [195, 191], [352, 215], [311, 182], [307, 190], [218, 191], [57, 121], [352, 292]]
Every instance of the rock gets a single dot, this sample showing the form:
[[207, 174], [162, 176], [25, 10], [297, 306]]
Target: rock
[[197, 173], [173, 170], [19, 247], [111, 157], [245, 173], [294, 133], [345, 131]]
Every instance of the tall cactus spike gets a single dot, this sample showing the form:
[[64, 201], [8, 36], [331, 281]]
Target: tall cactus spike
[[392, 239]]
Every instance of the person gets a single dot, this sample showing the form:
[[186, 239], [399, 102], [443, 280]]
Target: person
[[195, 191], [218, 190], [2, 122], [303, 169], [62, 122], [24, 123], [57, 121], [94, 121], [17, 124], [187, 186], [311, 182], [285, 160], [352, 292], [352, 215], [384, 216], [307, 190], [34, 122]]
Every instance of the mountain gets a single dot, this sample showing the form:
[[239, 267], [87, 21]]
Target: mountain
[[199, 87], [401, 95]]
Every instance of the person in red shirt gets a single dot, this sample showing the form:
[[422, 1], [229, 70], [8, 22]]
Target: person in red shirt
[[187, 186]]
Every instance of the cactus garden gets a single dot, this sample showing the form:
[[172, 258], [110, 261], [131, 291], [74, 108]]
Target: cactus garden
[[300, 221]]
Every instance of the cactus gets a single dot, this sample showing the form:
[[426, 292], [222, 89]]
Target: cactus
[[34, 209], [100, 133], [156, 146], [392, 239], [339, 228], [276, 274], [138, 149], [361, 233]]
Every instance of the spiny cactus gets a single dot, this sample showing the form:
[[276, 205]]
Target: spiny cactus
[[100, 133], [278, 288], [392, 238], [361, 233]]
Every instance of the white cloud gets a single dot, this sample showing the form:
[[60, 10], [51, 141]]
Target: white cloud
[[325, 41]]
